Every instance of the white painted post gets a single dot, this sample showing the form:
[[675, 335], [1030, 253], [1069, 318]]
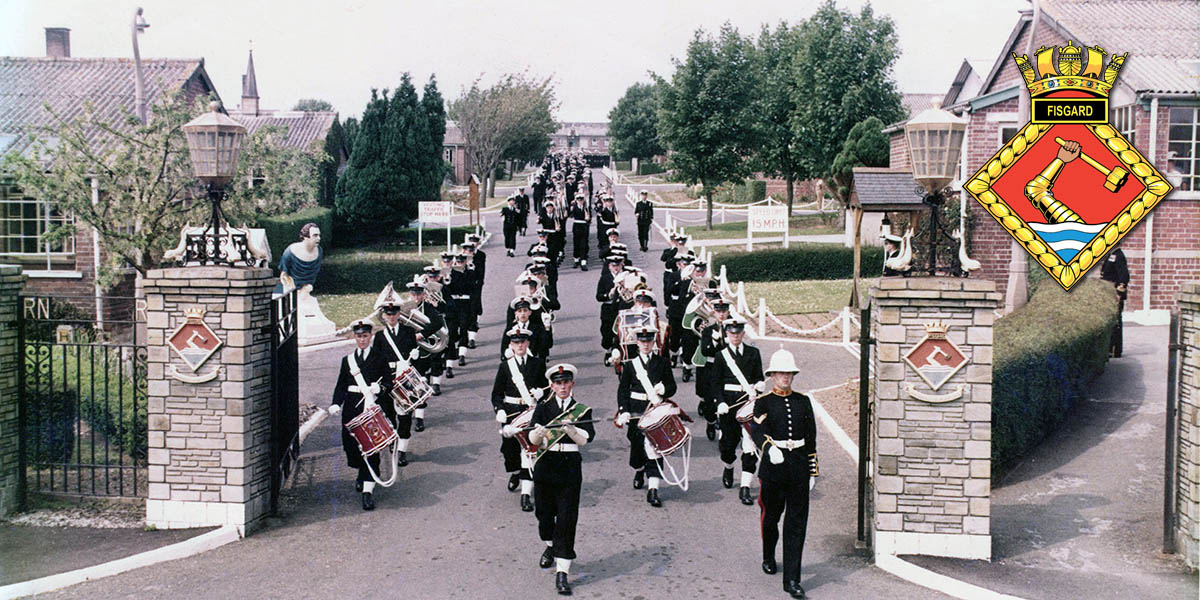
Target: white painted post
[[749, 234], [741, 298], [845, 325], [762, 316], [419, 227]]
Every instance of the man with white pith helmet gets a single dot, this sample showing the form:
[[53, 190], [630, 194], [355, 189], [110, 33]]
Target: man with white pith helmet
[[785, 430]]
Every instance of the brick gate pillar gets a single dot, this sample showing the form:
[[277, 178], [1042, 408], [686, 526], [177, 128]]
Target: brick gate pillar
[[932, 424], [12, 481], [208, 370], [1187, 440]]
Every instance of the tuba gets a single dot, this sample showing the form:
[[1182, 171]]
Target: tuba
[[412, 317], [433, 290]]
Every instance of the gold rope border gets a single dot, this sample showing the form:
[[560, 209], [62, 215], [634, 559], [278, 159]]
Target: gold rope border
[[1067, 274]]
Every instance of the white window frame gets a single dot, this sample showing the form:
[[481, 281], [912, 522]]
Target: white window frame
[[1124, 120], [1194, 173], [58, 260]]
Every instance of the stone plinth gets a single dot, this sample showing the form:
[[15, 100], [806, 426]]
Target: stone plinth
[[1187, 449], [12, 483], [931, 453], [209, 427]]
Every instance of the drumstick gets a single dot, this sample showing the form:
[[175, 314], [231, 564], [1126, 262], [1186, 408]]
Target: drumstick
[[553, 425]]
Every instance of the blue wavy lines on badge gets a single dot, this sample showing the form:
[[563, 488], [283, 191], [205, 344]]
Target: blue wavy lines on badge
[[1067, 239]]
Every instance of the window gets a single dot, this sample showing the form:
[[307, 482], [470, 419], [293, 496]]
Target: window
[[1124, 119], [23, 220], [1182, 145], [448, 156], [1007, 132]]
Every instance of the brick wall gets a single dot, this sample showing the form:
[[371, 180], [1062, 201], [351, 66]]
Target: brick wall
[[12, 482], [1187, 488]]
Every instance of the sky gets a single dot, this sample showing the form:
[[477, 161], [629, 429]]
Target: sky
[[338, 51]]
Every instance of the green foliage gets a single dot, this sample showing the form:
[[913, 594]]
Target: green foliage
[[746, 192], [650, 168], [843, 75], [776, 154], [865, 146], [362, 187], [434, 168], [365, 270], [335, 148], [1045, 355], [283, 230], [50, 427], [273, 178], [623, 165], [406, 136], [801, 261], [312, 105], [633, 124], [350, 132]]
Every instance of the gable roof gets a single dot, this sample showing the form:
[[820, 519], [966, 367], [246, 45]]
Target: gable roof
[[303, 128], [592, 129], [69, 85], [454, 136], [881, 188], [915, 103]]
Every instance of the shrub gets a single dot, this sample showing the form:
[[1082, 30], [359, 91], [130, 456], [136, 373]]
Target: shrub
[[50, 427], [623, 165], [801, 261], [650, 168], [1045, 355], [282, 230]]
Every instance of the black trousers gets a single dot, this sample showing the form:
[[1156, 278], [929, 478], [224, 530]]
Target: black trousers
[[579, 236], [457, 323], [676, 336], [363, 473], [403, 427], [791, 501], [557, 512], [644, 234], [689, 341], [608, 337], [524, 220], [510, 237], [731, 440], [637, 452], [1118, 334]]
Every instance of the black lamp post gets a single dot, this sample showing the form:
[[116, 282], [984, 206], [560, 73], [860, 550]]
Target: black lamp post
[[214, 143], [935, 140]]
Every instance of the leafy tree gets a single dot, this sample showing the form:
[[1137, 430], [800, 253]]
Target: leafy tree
[[349, 132], [633, 123], [706, 115], [362, 187], [512, 119], [843, 75], [312, 105], [865, 146], [273, 178], [777, 154], [434, 107]]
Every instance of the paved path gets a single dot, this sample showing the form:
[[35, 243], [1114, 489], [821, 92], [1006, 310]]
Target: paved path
[[449, 529]]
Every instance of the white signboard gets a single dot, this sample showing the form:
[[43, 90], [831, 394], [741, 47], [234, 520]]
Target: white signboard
[[435, 211], [771, 217]]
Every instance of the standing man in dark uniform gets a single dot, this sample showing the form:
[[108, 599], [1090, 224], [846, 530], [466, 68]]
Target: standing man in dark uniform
[[522, 312], [459, 295], [634, 399], [477, 265], [579, 231], [606, 219], [708, 386], [520, 384], [1116, 270], [550, 222], [428, 365], [645, 216], [360, 369], [558, 476], [740, 367], [396, 348], [522, 209], [610, 304], [785, 430], [513, 219]]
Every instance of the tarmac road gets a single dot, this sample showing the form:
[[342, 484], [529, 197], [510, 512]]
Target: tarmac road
[[450, 529]]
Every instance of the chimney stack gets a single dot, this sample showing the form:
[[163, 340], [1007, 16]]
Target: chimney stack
[[58, 42]]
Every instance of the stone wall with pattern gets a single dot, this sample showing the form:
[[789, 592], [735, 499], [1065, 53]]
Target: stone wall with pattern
[[11, 480], [209, 441], [931, 450], [1187, 449]]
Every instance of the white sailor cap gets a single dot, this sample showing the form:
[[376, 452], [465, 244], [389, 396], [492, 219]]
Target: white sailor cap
[[561, 372]]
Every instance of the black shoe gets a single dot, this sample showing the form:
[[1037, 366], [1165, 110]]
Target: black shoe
[[368, 501], [418, 424], [437, 391], [583, 267], [727, 478], [514, 481], [745, 495], [462, 360], [652, 498], [639, 480], [358, 486], [711, 431], [793, 588], [561, 585], [547, 559], [402, 460], [526, 503], [769, 566], [471, 345], [687, 374], [449, 373]]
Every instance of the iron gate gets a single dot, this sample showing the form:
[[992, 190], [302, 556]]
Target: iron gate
[[285, 392], [82, 395]]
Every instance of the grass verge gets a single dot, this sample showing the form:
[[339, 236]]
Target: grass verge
[[798, 225], [810, 296]]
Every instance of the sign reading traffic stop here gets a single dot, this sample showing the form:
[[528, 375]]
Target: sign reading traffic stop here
[[434, 212], [771, 217]]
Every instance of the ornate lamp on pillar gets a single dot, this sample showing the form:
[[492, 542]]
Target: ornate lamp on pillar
[[214, 143], [935, 139]]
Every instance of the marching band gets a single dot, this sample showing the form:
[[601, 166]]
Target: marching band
[[384, 385]]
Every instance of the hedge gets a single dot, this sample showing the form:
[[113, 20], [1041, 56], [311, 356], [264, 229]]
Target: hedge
[[800, 261], [357, 271], [650, 168], [623, 165], [50, 427], [1045, 356], [746, 192], [431, 237], [282, 230]]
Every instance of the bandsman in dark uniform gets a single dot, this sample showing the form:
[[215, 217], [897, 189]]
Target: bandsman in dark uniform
[[740, 365], [785, 430], [610, 304], [477, 266], [579, 231], [520, 385], [428, 365], [553, 226], [644, 209], [512, 217], [361, 380], [522, 209], [708, 388], [614, 243], [522, 311], [685, 291], [459, 294], [633, 399], [395, 347], [677, 246], [558, 475], [606, 218]]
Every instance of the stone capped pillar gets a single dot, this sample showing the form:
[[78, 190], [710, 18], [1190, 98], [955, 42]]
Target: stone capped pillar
[[209, 427], [12, 483], [1187, 445], [932, 426]]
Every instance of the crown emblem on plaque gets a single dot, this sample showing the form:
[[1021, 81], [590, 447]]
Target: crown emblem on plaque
[[936, 330], [194, 314], [1071, 71]]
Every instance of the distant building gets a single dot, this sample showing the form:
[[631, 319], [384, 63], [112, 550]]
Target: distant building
[[454, 153], [591, 139]]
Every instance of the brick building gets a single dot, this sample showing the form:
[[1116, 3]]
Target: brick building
[[591, 139], [454, 152], [1155, 104]]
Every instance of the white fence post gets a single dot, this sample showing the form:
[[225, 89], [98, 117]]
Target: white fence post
[[762, 316], [845, 325], [741, 299]]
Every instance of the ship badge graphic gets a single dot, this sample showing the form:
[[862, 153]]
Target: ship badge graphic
[[1068, 186], [195, 342]]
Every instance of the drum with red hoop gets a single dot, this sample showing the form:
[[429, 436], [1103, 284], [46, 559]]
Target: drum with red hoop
[[372, 430], [521, 423], [663, 428], [745, 415], [409, 390]]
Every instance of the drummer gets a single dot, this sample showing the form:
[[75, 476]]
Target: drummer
[[708, 386], [558, 475], [394, 348], [520, 384], [634, 399], [738, 367], [786, 430], [356, 390]]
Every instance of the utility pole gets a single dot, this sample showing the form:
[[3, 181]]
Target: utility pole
[[139, 25]]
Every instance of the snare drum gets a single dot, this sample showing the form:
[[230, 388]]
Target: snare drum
[[520, 422], [664, 430], [409, 390], [371, 430], [745, 415]]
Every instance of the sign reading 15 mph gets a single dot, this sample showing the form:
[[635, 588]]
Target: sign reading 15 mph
[[1068, 186]]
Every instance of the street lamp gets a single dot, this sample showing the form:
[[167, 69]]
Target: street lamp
[[214, 142], [935, 140]]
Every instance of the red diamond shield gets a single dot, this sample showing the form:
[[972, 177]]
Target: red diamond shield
[[194, 341], [935, 358]]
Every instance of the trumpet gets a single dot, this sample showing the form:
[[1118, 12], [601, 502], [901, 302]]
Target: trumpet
[[433, 291], [699, 284], [412, 317]]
